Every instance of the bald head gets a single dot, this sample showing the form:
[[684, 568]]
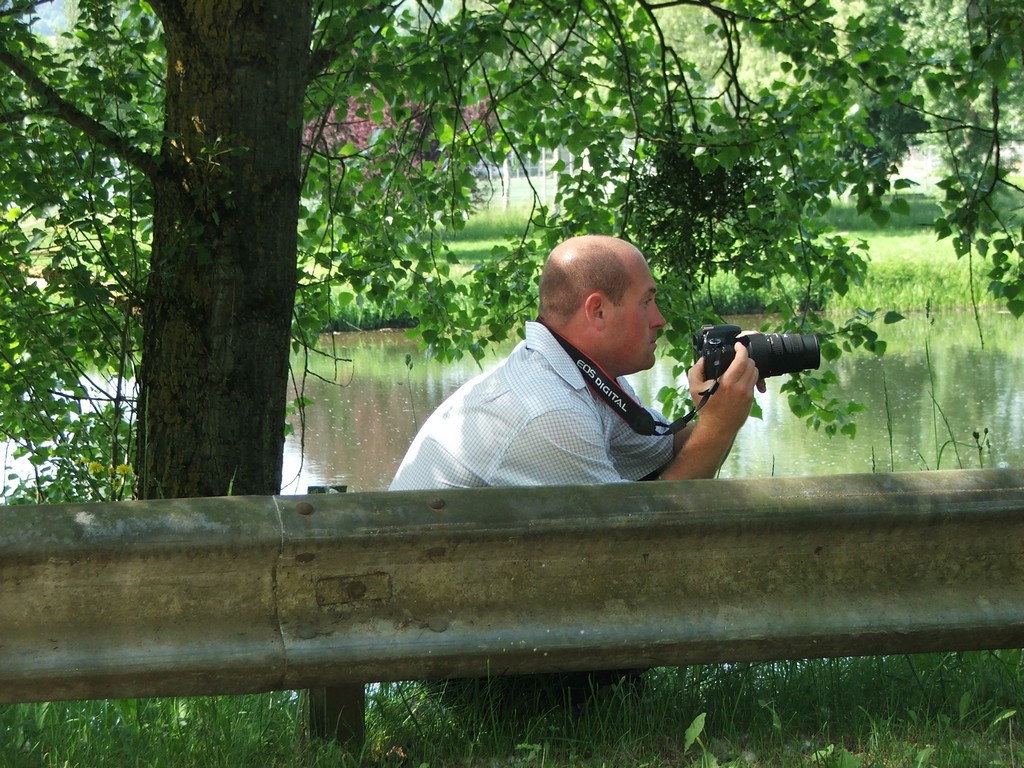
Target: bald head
[[580, 266]]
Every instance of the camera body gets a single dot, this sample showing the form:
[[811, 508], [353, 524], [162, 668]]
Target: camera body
[[773, 353]]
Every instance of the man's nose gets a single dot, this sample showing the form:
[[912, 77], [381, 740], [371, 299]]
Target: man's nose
[[659, 319]]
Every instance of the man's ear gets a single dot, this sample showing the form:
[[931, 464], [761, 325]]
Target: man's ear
[[595, 308]]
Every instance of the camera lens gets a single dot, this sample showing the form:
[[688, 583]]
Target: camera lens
[[776, 353]]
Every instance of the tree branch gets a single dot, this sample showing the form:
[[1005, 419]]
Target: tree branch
[[55, 104]]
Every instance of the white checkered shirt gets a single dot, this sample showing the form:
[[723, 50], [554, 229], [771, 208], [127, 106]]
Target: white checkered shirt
[[532, 420]]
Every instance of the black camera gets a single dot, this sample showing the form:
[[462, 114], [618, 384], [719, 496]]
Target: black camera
[[774, 353]]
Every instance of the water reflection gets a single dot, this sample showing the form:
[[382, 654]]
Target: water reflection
[[935, 387]]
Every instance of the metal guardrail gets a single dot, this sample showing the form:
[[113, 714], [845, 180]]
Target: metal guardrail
[[235, 595]]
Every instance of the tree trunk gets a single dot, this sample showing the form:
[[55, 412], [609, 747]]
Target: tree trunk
[[218, 304]]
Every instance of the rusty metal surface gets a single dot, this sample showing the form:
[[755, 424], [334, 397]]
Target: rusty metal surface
[[234, 595]]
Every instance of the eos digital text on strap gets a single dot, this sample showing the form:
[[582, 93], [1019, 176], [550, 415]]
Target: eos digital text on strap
[[608, 389]]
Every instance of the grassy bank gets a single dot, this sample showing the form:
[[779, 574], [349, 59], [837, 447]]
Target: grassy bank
[[934, 710], [910, 269]]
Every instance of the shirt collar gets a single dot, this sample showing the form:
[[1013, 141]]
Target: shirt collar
[[540, 340]]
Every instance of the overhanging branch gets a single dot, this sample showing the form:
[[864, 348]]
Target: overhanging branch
[[55, 104]]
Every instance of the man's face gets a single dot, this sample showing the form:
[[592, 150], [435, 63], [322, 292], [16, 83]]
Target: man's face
[[634, 325]]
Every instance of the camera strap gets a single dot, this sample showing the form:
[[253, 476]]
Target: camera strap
[[607, 388]]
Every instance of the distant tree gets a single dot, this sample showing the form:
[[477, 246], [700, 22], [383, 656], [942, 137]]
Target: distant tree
[[971, 86]]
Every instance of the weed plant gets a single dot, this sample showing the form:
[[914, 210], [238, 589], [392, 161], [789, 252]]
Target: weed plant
[[953, 709]]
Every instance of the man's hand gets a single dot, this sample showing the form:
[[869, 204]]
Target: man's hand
[[702, 447], [730, 405]]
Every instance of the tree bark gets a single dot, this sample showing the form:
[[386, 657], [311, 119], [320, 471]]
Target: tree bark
[[220, 294]]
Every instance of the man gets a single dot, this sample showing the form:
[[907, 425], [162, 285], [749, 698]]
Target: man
[[534, 419]]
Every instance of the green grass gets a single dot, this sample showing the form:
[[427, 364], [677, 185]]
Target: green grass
[[877, 710], [910, 269], [913, 272], [928, 710], [203, 731]]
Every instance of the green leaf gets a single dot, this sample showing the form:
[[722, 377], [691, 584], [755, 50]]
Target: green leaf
[[727, 156], [880, 216], [693, 731]]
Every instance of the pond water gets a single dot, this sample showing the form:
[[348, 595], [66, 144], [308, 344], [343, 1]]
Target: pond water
[[939, 383]]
